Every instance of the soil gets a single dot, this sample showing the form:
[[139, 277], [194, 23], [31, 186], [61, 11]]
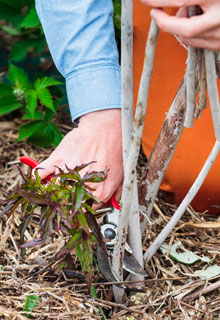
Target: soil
[[172, 291]]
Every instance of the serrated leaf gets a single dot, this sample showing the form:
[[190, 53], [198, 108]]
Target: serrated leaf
[[5, 90], [45, 98], [31, 20], [30, 128], [31, 100], [58, 136], [20, 49], [37, 116], [8, 104], [44, 137], [17, 77], [46, 82]]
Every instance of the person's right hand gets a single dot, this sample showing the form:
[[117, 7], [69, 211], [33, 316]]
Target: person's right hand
[[97, 138], [202, 31]]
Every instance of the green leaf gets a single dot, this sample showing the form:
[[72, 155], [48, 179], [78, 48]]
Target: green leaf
[[30, 303], [18, 77], [8, 13], [20, 49], [30, 128], [45, 98], [31, 20], [11, 31], [31, 100], [94, 295], [37, 116], [43, 137], [39, 44], [78, 197], [58, 136], [209, 273], [46, 82], [5, 90], [187, 257], [8, 104], [75, 238]]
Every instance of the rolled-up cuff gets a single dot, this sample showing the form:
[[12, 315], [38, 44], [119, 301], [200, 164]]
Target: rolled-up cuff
[[93, 88]]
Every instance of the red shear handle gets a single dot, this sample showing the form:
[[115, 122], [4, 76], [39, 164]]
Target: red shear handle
[[33, 164]]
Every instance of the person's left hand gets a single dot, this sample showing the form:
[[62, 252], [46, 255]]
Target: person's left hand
[[202, 31]]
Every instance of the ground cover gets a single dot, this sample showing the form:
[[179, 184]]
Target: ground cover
[[173, 290]]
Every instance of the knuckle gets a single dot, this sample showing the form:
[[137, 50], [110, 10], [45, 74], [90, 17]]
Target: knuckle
[[189, 32], [180, 3]]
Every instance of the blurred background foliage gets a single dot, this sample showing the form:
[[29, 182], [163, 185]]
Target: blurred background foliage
[[30, 86]]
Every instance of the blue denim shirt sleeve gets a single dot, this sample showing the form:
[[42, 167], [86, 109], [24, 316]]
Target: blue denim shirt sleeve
[[80, 36]]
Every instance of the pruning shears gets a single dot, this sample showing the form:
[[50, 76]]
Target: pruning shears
[[108, 231]]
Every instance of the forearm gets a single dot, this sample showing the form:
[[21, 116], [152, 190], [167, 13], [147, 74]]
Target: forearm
[[80, 36]]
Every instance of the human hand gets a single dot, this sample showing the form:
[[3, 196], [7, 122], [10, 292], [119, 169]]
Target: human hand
[[201, 31], [97, 138]]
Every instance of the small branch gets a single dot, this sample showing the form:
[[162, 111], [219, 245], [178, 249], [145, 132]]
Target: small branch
[[191, 75], [202, 291], [184, 204], [134, 150], [202, 100], [162, 152], [134, 233], [217, 63], [213, 90]]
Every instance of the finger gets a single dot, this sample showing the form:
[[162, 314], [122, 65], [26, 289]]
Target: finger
[[44, 169], [202, 43], [186, 27], [170, 3], [118, 192]]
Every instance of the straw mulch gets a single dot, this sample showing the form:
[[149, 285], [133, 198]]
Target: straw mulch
[[172, 291]]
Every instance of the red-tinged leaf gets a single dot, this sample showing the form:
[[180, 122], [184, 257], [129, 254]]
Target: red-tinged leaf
[[78, 198], [95, 176], [74, 240], [89, 208], [34, 243], [95, 229], [35, 198], [84, 165], [23, 228], [83, 223], [8, 208], [68, 175]]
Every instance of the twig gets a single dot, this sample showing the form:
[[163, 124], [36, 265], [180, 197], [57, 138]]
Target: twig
[[162, 152], [184, 204], [213, 90], [134, 150], [203, 291], [191, 74], [134, 231], [202, 100]]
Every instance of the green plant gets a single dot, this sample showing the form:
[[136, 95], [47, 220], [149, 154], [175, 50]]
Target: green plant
[[65, 203], [23, 27], [36, 104]]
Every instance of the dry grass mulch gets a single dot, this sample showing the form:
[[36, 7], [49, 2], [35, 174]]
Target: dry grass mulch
[[173, 291]]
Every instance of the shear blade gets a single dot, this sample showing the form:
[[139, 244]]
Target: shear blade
[[105, 266], [131, 265]]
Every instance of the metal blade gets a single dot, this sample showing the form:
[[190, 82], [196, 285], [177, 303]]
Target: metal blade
[[105, 265], [132, 265]]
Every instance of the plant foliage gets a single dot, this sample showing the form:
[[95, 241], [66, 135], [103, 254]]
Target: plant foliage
[[65, 204], [36, 103]]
